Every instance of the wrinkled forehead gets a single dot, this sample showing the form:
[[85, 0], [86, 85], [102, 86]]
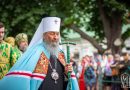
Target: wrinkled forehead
[[51, 32]]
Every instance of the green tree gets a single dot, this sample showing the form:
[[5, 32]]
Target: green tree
[[105, 18]]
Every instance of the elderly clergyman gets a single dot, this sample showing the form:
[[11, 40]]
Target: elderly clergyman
[[43, 65], [21, 40]]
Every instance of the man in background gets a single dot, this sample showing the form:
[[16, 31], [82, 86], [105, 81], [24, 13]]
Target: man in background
[[22, 41], [7, 55]]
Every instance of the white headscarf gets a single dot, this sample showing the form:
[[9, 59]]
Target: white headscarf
[[47, 24]]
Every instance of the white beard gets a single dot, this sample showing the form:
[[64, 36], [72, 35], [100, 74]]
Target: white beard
[[52, 47]]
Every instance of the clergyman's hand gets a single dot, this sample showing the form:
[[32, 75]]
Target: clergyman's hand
[[68, 68]]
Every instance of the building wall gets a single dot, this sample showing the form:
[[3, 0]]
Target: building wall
[[82, 48]]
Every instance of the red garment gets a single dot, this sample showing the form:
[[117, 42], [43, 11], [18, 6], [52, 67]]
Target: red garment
[[81, 80]]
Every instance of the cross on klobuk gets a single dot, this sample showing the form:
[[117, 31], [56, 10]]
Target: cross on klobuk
[[55, 21]]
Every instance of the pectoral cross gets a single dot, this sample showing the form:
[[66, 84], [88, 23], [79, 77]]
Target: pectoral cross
[[55, 21]]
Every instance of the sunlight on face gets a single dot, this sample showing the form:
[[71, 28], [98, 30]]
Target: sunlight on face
[[23, 45], [51, 38]]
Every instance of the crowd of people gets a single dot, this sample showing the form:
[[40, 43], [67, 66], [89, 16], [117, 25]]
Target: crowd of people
[[41, 64], [103, 72]]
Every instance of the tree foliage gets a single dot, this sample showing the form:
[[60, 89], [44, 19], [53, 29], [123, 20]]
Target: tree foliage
[[24, 16]]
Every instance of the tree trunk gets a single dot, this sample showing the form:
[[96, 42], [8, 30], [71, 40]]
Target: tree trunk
[[115, 32], [112, 27], [87, 37]]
